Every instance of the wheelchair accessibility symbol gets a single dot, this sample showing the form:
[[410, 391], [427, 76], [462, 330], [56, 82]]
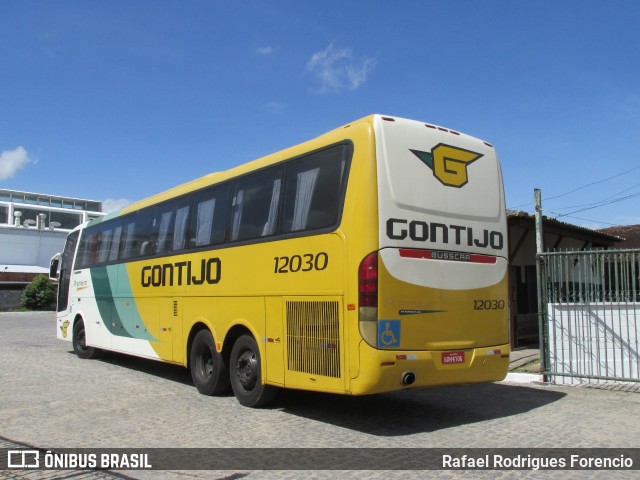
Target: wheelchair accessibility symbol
[[388, 333]]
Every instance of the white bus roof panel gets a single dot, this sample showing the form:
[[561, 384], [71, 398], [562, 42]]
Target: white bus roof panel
[[421, 171]]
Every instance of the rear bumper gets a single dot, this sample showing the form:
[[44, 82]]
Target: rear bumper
[[384, 370]]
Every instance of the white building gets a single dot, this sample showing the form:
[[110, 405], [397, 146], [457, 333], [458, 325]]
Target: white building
[[33, 228]]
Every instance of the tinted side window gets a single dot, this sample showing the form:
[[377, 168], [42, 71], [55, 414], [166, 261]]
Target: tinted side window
[[140, 234], [98, 243], [209, 217], [169, 227], [146, 232], [254, 208], [115, 243], [88, 248], [104, 244], [128, 243], [313, 190]]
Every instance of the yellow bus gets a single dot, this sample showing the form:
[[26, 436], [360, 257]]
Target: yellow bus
[[370, 259]]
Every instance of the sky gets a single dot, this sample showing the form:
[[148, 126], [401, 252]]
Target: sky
[[118, 100]]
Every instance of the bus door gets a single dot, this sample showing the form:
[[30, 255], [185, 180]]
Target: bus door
[[63, 273]]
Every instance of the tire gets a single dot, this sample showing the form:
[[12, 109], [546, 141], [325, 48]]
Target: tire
[[209, 372], [246, 374], [79, 341]]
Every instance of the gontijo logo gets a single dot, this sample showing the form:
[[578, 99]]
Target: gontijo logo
[[449, 164]]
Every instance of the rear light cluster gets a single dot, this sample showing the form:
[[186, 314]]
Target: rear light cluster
[[368, 298], [368, 281]]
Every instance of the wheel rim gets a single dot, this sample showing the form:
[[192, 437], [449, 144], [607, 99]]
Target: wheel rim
[[82, 341], [205, 363], [247, 370]]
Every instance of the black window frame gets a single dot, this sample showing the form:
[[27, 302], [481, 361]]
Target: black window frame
[[145, 216]]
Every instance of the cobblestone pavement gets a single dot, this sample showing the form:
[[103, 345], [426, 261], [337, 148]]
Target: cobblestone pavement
[[51, 399]]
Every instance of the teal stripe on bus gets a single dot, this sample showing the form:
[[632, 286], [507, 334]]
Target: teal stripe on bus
[[125, 319]]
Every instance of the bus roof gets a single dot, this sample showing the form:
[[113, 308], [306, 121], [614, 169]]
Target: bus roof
[[217, 177]]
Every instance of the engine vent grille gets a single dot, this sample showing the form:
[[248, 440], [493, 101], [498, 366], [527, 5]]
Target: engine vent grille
[[313, 337]]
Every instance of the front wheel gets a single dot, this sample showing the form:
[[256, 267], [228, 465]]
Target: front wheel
[[246, 374], [79, 341]]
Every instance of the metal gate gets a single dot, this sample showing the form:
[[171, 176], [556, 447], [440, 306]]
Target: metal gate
[[590, 329]]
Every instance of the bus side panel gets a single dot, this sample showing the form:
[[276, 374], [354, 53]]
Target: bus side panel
[[128, 331], [304, 282], [274, 341], [177, 330], [146, 309]]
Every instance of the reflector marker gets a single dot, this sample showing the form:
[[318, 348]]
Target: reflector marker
[[442, 129], [406, 357]]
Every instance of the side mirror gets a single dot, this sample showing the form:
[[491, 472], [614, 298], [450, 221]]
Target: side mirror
[[54, 273]]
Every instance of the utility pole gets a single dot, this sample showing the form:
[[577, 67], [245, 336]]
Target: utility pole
[[541, 284]]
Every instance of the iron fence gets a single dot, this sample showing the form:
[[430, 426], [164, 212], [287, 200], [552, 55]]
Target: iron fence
[[590, 330]]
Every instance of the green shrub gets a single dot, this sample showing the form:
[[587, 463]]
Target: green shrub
[[39, 294]]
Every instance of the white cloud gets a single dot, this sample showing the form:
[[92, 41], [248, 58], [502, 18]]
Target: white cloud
[[268, 50], [337, 70], [112, 205], [13, 160]]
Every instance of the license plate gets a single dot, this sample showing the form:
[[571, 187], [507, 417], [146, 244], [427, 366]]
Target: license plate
[[449, 358]]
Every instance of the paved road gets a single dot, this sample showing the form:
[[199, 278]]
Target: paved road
[[51, 399]]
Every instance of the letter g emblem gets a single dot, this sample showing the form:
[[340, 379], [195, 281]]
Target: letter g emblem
[[449, 164]]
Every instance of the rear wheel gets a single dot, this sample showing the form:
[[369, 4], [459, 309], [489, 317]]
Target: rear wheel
[[246, 374], [208, 369], [79, 341]]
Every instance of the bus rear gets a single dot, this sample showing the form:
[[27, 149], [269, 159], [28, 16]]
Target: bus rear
[[433, 300]]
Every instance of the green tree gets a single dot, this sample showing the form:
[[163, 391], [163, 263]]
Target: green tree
[[39, 294]]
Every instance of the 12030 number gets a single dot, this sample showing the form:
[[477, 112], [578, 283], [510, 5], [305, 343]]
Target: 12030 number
[[301, 263], [488, 304]]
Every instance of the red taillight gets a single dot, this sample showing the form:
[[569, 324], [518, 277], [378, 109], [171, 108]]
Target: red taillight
[[368, 281]]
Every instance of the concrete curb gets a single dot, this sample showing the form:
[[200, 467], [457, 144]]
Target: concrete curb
[[523, 378], [29, 313]]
